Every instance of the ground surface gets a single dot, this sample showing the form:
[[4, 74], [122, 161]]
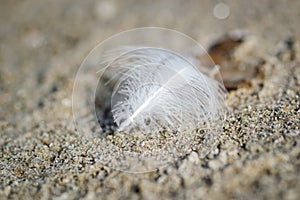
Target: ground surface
[[257, 155]]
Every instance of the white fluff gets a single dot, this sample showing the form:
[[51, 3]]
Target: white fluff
[[156, 89]]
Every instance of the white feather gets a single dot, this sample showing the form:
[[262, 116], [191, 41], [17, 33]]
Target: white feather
[[156, 89]]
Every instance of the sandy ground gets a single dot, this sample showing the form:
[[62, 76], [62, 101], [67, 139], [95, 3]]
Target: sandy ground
[[257, 153]]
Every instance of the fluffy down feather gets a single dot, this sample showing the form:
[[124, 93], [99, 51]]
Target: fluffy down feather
[[157, 89]]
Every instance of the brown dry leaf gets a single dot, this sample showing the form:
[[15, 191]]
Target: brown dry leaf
[[237, 56]]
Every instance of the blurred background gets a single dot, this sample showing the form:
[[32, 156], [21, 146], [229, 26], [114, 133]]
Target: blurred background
[[40, 37]]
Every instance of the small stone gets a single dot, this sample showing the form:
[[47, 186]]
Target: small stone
[[193, 158]]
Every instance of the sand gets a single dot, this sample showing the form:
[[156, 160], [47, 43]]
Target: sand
[[256, 154]]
